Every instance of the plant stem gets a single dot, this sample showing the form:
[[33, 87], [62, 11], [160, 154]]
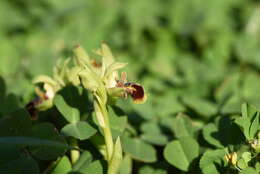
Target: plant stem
[[107, 134], [74, 154], [108, 141], [103, 119]]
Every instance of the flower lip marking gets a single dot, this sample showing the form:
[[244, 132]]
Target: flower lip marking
[[135, 90], [31, 107]]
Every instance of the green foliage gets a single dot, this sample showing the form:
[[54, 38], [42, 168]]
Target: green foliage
[[198, 61], [139, 150], [118, 121], [126, 165], [46, 131], [185, 149], [71, 114], [63, 166], [210, 160], [249, 122], [80, 130], [84, 160], [249, 171]]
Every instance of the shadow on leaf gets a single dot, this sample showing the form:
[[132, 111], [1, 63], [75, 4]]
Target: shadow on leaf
[[8, 102]]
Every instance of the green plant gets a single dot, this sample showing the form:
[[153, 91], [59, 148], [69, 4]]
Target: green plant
[[102, 81], [198, 60], [85, 92]]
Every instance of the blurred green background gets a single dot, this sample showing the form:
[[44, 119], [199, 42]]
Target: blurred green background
[[185, 52], [194, 56], [199, 57]]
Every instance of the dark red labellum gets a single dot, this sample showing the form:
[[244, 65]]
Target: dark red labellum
[[137, 94]]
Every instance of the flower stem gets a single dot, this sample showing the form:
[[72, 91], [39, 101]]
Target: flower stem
[[74, 154], [109, 142], [103, 119], [107, 133]]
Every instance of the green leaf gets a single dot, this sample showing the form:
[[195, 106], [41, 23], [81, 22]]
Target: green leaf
[[153, 133], [145, 110], [47, 131], [247, 49], [248, 111], [182, 126], [117, 120], [149, 169], [126, 165], [94, 167], [23, 164], [250, 88], [156, 139], [209, 160], [229, 94], [116, 158], [247, 156], [254, 127], [180, 153], [63, 166], [257, 167], [224, 132], [83, 162], [10, 60], [138, 149], [80, 130], [249, 121], [71, 114], [242, 163], [29, 141], [76, 97], [211, 136], [17, 123], [201, 106], [249, 170], [168, 104], [244, 124], [232, 103], [151, 127], [8, 151]]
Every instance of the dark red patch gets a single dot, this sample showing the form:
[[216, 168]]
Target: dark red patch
[[138, 93], [32, 110], [30, 107]]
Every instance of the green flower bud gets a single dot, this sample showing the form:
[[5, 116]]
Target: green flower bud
[[73, 75], [80, 56], [89, 79]]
